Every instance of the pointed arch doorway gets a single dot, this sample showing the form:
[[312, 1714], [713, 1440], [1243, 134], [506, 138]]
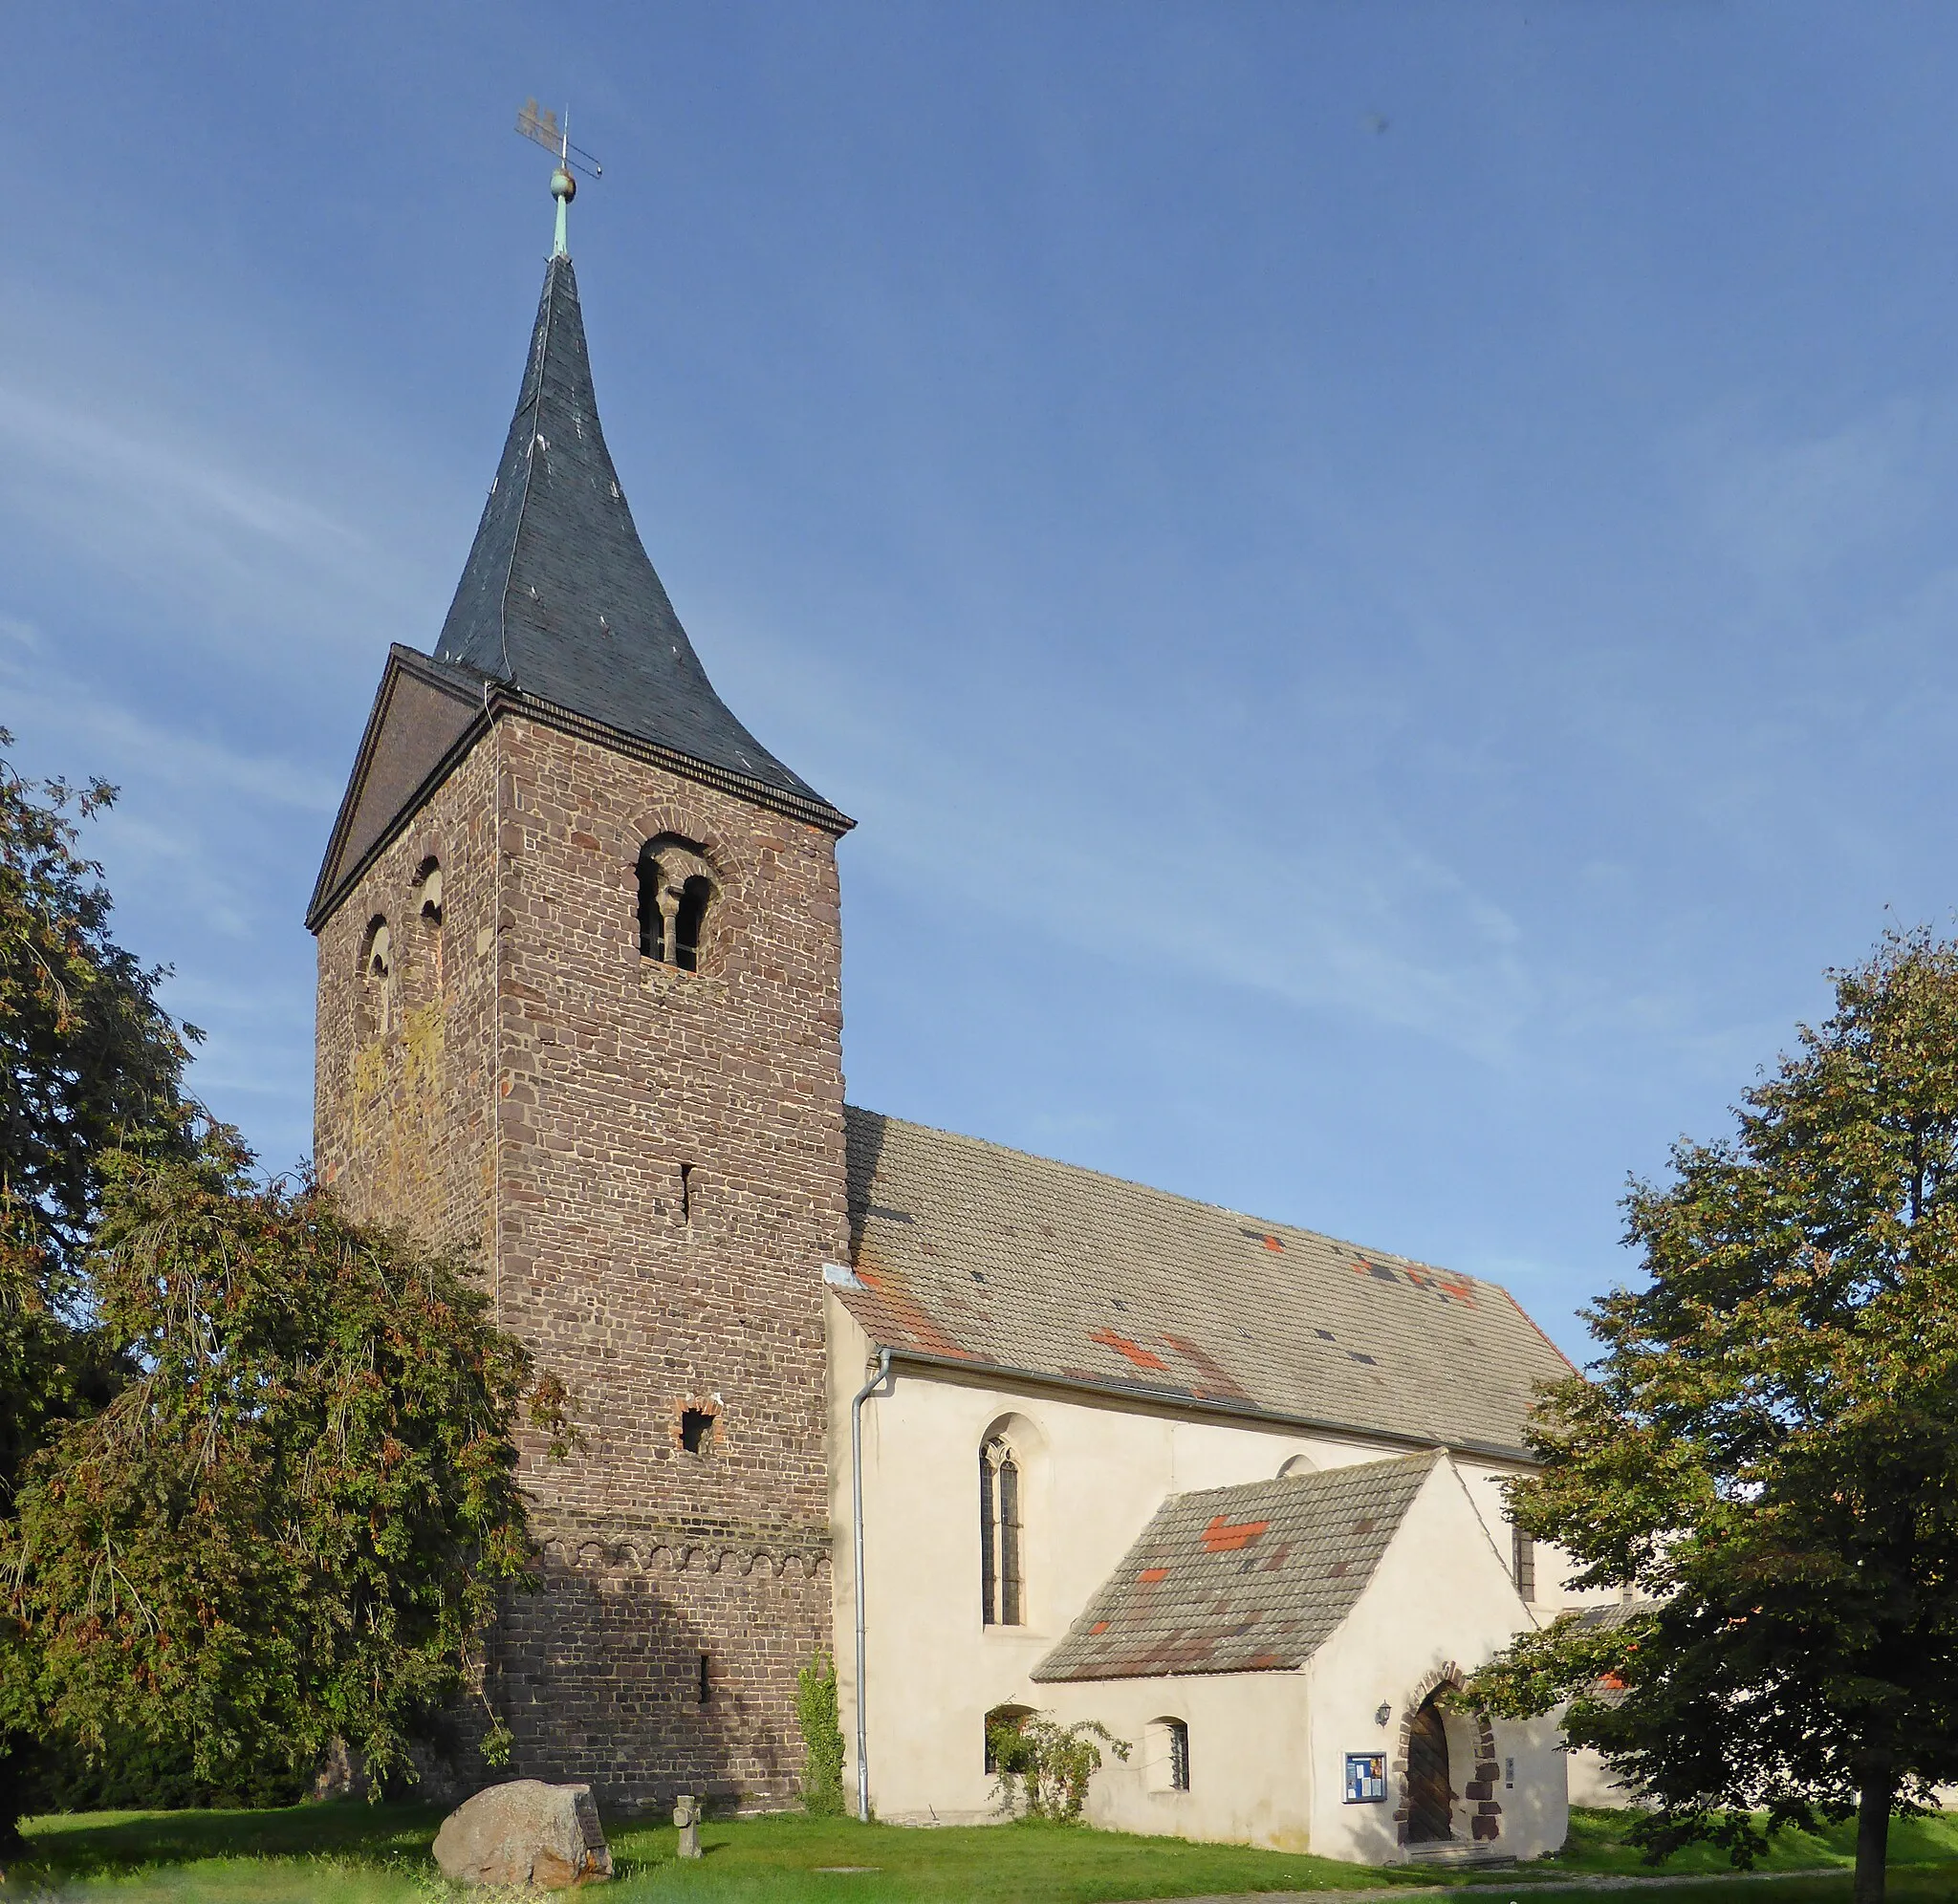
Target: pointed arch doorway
[[1430, 1800]]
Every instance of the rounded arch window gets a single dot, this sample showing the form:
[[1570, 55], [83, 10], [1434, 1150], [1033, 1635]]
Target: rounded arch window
[[1296, 1464], [677, 893], [375, 978], [1165, 1754], [1002, 1723], [429, 893]]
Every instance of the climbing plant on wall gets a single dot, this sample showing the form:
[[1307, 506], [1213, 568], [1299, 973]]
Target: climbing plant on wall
[[1044, 1768], [822, 1736]]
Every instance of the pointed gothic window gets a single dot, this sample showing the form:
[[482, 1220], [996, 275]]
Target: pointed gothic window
[[676, 892], [1002, 1592]]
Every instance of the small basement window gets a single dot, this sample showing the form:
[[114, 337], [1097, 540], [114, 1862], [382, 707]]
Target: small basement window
[[1001, 1723], [1165, 1758], [696, 1429]]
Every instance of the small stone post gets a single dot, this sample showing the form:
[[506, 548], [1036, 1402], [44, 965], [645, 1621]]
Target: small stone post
[[687, 1815]]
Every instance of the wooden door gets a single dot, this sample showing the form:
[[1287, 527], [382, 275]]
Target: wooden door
[[1429, 1801]]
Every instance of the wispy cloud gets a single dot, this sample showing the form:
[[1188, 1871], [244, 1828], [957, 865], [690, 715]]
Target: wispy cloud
[[94, 730]]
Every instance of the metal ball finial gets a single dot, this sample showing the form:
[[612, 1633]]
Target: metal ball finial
[[563, 185]]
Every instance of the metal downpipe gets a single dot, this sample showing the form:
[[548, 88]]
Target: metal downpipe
[[857, 1402]]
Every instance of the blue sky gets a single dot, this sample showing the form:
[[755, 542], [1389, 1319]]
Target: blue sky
[[1379, 578]]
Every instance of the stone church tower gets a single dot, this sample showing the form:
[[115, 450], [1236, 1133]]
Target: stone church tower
[[579, 1017]]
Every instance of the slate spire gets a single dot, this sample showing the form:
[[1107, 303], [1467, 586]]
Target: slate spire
[[558, 596]]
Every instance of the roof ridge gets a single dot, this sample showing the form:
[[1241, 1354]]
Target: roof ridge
[[540, 349], [1270, 1223]]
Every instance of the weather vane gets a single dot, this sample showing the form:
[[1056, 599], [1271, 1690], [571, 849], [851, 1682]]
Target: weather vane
[[546, 128]]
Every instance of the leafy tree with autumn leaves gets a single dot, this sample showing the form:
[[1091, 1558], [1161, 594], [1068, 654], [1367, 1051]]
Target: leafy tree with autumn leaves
[[1765, 1456], [258, 1462]]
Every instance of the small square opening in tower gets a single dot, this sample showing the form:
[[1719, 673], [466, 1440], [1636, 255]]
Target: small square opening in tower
[[696, 1426]]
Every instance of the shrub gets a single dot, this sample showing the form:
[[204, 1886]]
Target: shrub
[[822, 1736], [1045, 1766]]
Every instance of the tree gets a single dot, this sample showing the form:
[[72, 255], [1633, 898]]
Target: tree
[[87, 1060], [1767, 1453], [293, 1522]]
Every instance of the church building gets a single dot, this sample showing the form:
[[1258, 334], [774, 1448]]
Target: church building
[[1043, 1440]]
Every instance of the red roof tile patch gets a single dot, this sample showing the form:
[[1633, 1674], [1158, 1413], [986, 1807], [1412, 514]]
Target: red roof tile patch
[[1134, 1350], [1149, 1575], [1099, 1626], [1217, 1380], [1226, 1536]]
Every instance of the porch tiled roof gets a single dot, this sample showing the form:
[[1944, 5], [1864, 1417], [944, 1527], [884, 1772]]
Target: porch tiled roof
[[1243, 1579]]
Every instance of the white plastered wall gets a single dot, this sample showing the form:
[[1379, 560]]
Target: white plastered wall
[[1441, 1597], [1095, 1472]]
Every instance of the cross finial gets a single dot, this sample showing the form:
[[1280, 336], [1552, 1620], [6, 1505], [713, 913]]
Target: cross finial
[[554, 136]]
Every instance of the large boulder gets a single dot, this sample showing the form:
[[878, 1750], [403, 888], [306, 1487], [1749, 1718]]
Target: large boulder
[[525, 1832]]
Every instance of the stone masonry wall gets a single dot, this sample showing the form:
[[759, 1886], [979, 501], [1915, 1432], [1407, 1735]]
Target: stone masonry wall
[[540, 1087], [600, 1675], [402, 1103]]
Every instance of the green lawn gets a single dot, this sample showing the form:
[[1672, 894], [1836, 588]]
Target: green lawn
[[1597, 1844], [352, 1853]]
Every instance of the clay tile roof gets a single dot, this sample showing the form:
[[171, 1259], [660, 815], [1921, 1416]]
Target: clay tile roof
[[972, 1254], [559, 597], [1241, 1579]]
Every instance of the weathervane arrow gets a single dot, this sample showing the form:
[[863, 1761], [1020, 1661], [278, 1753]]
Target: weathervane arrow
[[555, 134]]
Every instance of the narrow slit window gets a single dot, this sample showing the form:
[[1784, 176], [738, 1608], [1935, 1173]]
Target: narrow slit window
[[1523, 1561], [1178, 1754], [706, 1688], [686, 1193]]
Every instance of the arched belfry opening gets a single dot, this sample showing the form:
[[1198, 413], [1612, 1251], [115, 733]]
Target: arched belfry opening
[[677, 891]]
